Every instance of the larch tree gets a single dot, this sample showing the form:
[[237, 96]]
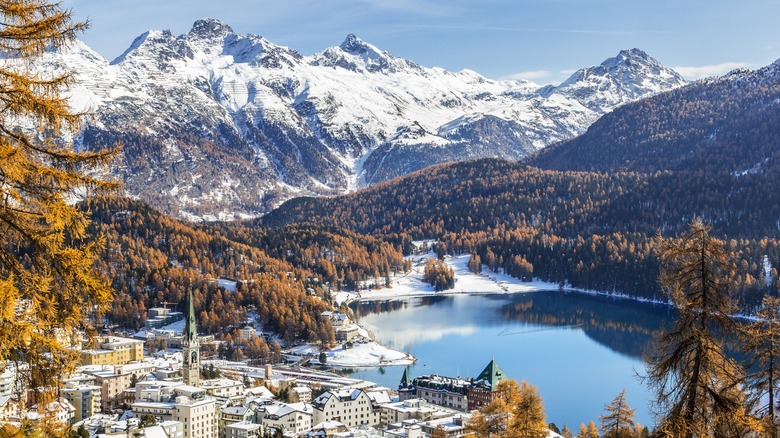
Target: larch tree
[[593, 431], [697, 384], [618, 421], [762, 343], [517, 412], [528, 417], [490, 421], [48, 285]]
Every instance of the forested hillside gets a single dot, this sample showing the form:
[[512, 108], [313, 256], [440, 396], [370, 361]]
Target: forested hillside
[[592, 230], [151, 259], [719, 126], [592, 214]]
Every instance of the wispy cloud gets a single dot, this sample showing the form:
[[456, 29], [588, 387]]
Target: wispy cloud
[[533, 75], [704, 71]]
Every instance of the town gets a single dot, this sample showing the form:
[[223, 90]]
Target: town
[[119, 390]]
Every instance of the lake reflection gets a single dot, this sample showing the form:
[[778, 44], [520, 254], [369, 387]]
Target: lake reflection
[[580, 350]]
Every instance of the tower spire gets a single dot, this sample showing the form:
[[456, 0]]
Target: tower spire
[[190, 345], [190, 327]]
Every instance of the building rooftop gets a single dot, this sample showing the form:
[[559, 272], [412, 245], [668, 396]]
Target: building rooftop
[[243, 425]]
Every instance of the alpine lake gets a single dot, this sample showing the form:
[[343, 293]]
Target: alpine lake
[[579, 350]]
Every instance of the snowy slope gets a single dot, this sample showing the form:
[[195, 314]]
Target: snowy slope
[[217, 125]]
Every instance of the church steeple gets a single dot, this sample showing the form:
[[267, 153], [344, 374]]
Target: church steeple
[[190, 346], [406, 382], [190, 328]]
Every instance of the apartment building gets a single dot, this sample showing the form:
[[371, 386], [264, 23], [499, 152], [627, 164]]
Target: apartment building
[[113, 350], [351, 406]]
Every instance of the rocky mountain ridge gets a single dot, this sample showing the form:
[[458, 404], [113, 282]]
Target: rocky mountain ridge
[[217, 125]]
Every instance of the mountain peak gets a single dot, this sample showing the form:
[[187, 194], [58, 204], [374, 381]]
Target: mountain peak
[[629, 58], [357, 55], [633, 53], [353, 44], [631, 75], [210, 28]]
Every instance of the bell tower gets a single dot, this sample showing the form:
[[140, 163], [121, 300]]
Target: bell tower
[[190, 347]]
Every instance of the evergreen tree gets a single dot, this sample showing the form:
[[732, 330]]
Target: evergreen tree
[[762, 341], [696, 382], [618, 422], [48, 285], [148, 420]]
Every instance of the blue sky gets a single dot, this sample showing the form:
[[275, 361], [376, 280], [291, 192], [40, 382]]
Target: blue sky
[[539, 40]]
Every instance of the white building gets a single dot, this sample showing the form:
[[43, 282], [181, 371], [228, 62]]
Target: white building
[[223, 388], [183, 403], [416, 409], [243, 430], [291, 418], [7, 379], [450, 427], [350, 406], [302, 393]]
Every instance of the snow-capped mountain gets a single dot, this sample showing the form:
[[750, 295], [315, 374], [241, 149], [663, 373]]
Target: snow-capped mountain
[[219, 125], [629, 76]]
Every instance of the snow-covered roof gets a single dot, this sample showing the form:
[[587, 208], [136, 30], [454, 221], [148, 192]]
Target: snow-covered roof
[[282, 409], [234, 410]]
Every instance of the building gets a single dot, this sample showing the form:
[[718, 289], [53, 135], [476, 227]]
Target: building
[[406, 429], [351, 406], [59, 411], [114, 380], [84, 398], [243, 430], [190, 347], [289, 418], [484, 389], [301, 393], [336, 319], [454, 392], [347, 333], [113, 350], [186, 404], [247, 332], [233, 414], [328, 429], [7, 381], [158, 317], [451, 392], [8, 408], [449, 427], [412, 409], [223, 389]]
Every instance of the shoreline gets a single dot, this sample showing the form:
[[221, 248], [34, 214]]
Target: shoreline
[[410, 285]]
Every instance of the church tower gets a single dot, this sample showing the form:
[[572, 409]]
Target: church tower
[[190, 347]]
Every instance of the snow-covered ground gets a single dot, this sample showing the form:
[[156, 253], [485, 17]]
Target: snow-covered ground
[[411, 284], [363, 352]]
